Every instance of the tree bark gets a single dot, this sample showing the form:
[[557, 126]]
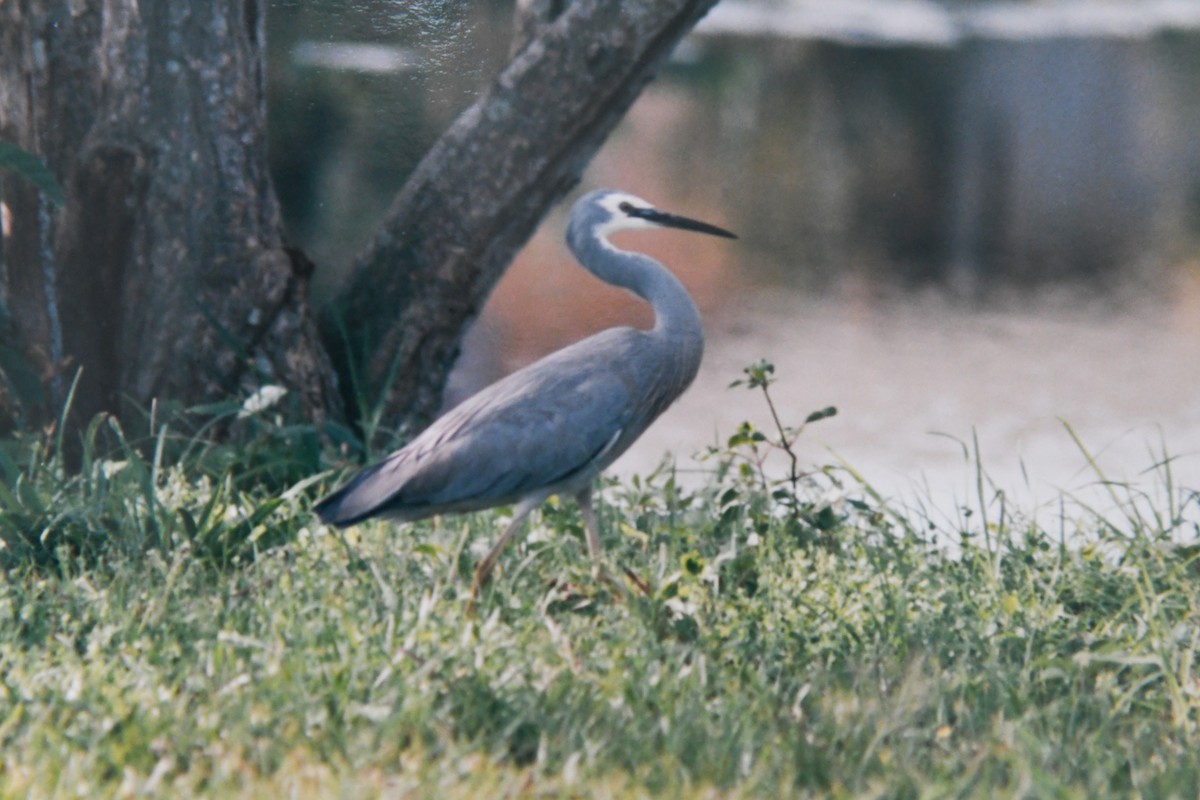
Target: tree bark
[[478, 194], [164, 275]]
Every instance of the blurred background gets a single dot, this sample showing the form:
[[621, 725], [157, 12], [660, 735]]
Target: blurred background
[[960, 221]]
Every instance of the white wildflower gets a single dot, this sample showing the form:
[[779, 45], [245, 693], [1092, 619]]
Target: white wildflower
[[261, 400]]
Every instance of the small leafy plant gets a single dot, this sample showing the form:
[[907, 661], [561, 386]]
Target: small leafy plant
[[753, 447]]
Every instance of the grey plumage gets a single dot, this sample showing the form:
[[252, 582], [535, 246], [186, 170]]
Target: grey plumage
[[553, 426]]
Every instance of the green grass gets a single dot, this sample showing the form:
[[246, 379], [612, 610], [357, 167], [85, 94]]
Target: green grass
[[170, 626]]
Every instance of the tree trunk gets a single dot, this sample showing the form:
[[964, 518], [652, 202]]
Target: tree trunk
[[164, 275], [479, 193]]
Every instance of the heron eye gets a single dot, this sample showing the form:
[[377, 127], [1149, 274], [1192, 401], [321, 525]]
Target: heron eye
[[627, 207]]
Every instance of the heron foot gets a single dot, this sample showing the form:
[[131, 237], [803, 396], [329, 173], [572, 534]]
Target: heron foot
[[483, 574], [641, 585], [620, 588]]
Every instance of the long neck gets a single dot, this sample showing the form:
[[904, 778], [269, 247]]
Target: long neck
[[675, 316]]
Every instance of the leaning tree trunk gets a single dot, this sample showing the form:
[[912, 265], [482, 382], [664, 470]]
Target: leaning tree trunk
[[164, 275], [479, 193]]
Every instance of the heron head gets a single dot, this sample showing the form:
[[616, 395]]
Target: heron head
[[610, 211]]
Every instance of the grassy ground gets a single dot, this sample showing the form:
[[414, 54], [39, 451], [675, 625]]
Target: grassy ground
[[172, 621]]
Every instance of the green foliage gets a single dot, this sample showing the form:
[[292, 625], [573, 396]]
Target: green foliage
[[812, 643], [32, 169], [172, 486]]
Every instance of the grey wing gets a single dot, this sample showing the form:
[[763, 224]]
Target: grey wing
[[523, 434]]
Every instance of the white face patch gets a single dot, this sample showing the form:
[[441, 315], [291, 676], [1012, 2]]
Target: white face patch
[[619, 220]]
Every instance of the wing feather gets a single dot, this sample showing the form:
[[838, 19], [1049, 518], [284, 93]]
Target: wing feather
[[529, 431]]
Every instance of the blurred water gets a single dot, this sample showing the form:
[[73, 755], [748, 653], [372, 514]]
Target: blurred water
[[916, 373], [917, 379], [866, 183]]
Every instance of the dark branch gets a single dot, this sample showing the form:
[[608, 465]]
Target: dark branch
[[477, 196]]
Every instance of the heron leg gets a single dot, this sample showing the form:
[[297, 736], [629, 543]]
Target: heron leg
[[484, 570], [590, 529]]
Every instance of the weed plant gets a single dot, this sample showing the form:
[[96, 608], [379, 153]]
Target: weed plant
[[173, 621]]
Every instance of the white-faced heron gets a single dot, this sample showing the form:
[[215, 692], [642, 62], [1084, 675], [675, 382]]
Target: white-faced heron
[[553, 426]]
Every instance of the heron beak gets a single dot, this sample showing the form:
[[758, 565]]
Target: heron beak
[[683, 223]]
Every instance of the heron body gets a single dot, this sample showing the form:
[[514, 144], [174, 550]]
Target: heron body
[[553, 426]]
